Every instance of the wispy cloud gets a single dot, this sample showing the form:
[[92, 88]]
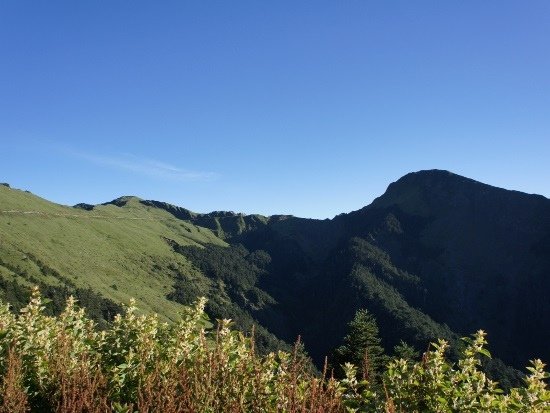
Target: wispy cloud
[[147, 167]]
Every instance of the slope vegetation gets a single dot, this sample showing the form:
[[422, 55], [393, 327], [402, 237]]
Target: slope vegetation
[[436, 256]]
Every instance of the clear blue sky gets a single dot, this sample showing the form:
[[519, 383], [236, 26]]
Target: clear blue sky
[[299, 107]]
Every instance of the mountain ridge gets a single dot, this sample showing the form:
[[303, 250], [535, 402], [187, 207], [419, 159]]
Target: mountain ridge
[[436, 255], [407, 178]]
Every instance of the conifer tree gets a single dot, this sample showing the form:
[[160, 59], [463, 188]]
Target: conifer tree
[[405, 351], [362, 346]]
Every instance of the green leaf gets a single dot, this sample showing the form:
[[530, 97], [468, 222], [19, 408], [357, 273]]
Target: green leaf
[[485, 352]]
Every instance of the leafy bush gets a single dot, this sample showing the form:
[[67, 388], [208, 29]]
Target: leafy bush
[[435, 385], [139, 363]]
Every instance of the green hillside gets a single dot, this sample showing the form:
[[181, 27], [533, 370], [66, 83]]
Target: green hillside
[[119, 252]]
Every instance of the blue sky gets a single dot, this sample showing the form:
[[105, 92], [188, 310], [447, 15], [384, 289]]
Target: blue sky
[[305, 108]]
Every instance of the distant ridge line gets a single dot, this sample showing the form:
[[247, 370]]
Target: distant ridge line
[[47, 214]]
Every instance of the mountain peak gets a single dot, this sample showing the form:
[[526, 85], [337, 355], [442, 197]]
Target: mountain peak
[[122, 200], [432, 177], [423, 192]]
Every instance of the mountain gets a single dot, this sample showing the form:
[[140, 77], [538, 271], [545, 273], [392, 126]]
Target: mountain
[[483, 253], [437, 255]]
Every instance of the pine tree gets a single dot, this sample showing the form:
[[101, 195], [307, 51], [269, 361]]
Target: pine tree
[[362, 346], [405, 351]]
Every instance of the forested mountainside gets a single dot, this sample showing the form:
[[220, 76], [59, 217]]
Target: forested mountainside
[[437, 255]]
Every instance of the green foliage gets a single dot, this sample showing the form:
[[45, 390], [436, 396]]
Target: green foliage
[[234, 265], [362, 346], [436, 385], [233, 273], [99, 309], [405, 351], [375, 278], [140, 363], [143, 364]]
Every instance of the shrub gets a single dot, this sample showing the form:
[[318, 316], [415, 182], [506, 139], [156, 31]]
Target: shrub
[[66, 364], [141, 364]]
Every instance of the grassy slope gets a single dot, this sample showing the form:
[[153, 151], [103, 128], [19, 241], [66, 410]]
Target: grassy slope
[[103, 248]]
